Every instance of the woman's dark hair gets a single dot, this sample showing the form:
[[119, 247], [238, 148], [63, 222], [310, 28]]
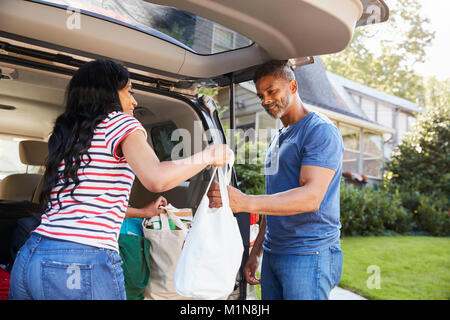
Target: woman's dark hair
[[92, 93]]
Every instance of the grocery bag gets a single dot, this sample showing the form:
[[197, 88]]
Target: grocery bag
[[165, 247], [212, 252]]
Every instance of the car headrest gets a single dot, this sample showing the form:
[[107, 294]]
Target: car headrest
[[33, 152]]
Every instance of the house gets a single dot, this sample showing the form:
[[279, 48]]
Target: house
[[371, 122]]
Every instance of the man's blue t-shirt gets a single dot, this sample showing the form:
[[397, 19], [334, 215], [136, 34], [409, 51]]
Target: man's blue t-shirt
[[313, 140]]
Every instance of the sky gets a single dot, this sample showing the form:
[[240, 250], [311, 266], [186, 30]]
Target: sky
[[438, 64]]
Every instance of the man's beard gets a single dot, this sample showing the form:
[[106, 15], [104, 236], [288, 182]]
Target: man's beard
[[279, 108]]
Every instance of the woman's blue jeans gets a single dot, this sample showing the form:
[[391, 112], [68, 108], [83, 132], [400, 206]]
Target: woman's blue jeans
[[48, 269], [306, 276]]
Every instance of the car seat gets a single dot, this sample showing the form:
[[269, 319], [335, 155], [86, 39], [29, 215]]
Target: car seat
[[21, 186]]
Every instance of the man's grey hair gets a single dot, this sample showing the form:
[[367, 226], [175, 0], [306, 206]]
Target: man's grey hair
[[277, 68]]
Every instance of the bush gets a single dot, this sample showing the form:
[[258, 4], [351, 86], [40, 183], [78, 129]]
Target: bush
[[421, 162], [249, 166], [372, 210], [432, 216], [359, 211], [395, 216]]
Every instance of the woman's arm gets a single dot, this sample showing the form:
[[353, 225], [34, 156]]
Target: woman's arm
[[158, 176], [150, 210]]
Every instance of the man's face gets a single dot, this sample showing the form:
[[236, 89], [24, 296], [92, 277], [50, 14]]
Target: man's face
[[275, 94]]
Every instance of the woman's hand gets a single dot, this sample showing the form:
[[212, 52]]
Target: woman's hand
[[218, 155], [153, 208]]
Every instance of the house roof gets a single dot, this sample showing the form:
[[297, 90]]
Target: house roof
[[341, 83], [316, 89]]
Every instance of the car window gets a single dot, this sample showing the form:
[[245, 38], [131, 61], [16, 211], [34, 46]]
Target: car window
[[9, 157], [182, 28], [161, 135]]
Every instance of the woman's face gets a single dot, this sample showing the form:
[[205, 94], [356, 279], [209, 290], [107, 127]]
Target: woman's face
[[127, 100]]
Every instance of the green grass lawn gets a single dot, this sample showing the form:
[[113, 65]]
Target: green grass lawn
[[410, 267]]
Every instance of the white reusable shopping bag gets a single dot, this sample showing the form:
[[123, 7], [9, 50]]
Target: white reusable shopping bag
[[212, 253], [165, 247]]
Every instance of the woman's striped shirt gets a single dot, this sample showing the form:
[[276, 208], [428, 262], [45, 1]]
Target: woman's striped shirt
[[94, 215]]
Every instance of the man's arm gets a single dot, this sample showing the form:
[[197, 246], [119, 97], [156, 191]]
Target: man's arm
[[255, 255], [314, 181]]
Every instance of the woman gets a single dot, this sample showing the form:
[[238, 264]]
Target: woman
[[96, 149]]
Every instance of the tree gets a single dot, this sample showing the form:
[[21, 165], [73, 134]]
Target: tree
[[421, 161], [397, 45], [437, 93]]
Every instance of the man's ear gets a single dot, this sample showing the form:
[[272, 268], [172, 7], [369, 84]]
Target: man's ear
[[293, 86]]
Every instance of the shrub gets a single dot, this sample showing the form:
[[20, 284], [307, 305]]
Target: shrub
[[432, 216], [421, 161], [395, 216], [360, 211], [249, 167], [372, 210]]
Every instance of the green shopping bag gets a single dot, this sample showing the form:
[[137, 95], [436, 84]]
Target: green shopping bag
[[134, 251]]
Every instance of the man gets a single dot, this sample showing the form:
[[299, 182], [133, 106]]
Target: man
[[300, 228]]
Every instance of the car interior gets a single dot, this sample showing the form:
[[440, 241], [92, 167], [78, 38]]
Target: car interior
[[38, 98]]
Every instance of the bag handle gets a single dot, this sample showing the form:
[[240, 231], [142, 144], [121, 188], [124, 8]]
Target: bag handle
[[164, 219], [228, 170], [176, 220], [225, 177], [223, 189]]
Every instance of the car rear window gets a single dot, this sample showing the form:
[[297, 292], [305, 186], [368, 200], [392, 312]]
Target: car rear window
[[182, 28], [161, 135]]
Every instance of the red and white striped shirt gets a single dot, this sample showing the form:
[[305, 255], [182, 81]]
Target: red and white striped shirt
[[94, 215]]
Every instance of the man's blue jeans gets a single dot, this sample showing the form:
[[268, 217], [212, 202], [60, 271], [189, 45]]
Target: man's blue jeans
[[47, 269], [306, 276]]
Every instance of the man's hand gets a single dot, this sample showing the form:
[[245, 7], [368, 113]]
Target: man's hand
[[235, 196], [250, 269]]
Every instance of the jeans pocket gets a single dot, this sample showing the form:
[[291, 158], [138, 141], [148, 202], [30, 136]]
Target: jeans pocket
[[66, 281], [115, 265], [337, 261]]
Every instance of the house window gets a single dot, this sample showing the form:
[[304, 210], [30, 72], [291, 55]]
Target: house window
[[356, 98], [402, 125], [223, 39], [368, 107], [242, 121], [351, 137], [363, 151], [372, 153], [385, 115], [267, 122], [411, 122]]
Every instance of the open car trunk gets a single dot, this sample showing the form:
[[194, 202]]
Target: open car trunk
[[177, 126]]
